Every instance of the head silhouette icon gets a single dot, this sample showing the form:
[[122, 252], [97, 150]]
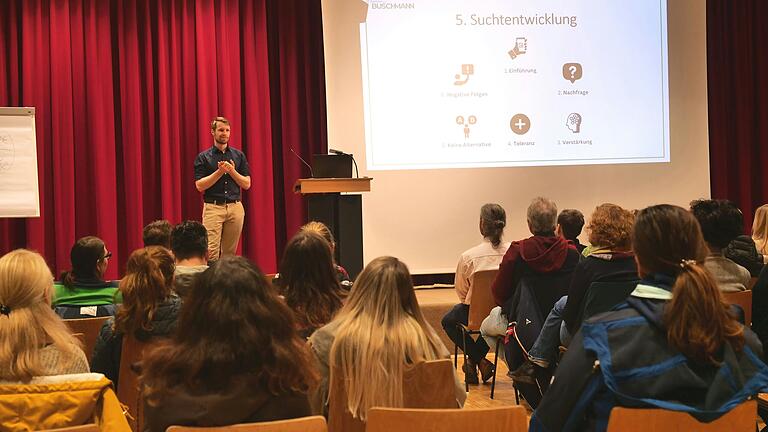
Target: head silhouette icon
[[574, 122]]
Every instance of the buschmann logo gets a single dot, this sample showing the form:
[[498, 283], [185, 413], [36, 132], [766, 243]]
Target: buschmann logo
[[392, 5]]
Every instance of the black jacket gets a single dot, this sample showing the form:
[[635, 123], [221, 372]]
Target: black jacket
[[743, 252], [109, 345], [609, 266]]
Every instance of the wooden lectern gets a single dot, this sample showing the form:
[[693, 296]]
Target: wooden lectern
[[342, 213]]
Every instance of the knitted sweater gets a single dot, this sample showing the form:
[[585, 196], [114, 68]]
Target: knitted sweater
[[57, 362]]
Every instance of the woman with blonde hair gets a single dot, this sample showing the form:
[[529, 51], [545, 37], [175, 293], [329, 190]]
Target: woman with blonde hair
[[149, 307], [34, 341], [760, 231], [372, 339]]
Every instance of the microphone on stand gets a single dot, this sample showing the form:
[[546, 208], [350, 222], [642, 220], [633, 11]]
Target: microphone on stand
[[312, 174]]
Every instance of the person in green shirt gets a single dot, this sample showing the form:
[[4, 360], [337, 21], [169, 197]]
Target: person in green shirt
[[82, 291]]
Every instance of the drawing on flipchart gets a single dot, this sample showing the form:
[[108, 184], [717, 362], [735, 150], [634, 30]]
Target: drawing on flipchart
[[7, 153]]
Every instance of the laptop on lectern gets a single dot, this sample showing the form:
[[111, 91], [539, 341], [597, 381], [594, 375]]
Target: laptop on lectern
[[332, 166]]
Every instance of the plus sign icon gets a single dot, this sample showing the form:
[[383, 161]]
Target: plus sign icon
[[520, 124]]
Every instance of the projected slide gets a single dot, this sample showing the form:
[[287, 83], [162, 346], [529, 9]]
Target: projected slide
[[484, 83]]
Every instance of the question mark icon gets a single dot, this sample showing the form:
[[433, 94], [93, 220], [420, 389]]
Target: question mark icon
[[572, 72]]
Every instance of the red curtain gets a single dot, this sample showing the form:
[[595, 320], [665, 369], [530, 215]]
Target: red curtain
[[737, 68], [124, 92]]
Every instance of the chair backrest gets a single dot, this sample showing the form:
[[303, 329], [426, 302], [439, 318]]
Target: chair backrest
[[482, 300], [89, 328], [428, 384], [497, 419], [128, 390], [744, 300], [603, 296], [302, 424], [83, 428], [741, 419]]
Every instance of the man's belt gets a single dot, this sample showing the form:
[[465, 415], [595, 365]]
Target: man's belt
[[220, 201]]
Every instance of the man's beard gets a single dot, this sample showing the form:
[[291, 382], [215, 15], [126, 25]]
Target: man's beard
[[222, 142]]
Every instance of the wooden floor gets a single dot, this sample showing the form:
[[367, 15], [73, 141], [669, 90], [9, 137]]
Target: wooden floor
[[480, 394]]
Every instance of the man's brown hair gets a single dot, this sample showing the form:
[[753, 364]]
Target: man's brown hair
[[216, 120]]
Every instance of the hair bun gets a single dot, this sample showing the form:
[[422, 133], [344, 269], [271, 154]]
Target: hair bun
[[500, 223]]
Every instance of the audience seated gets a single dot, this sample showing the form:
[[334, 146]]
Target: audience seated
[[35, 341], [485, 256], [236, 359], [189, 244], [82, 292], [325, 232], [721, 222], [611, 259], [157, 233], [760, 231], [672, 345], [569, 225], [543, 253], [376, 334], [308, 281], [149, 308]]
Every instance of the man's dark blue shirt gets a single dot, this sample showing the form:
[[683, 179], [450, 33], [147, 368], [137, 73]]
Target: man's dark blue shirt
[[225, 189]]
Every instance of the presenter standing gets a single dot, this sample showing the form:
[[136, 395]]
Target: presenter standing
[[220, 173]]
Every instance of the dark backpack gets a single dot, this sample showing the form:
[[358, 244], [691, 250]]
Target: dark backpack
[[534, 298]]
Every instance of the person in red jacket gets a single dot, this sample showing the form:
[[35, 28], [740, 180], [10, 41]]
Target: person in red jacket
[[544, 252]]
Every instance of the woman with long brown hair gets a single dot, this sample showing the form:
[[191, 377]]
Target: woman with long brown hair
[[308, 281], [34, 341], [673, 344], [237, 356], [149, 307], [376, 334]]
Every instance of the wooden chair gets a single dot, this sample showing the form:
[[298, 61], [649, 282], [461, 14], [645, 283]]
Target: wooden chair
[[480, 305], [498, 419], [87, 330], [740, 419], [425, 385], [742, 299], [84, 428], [303, 424], [128, 390]]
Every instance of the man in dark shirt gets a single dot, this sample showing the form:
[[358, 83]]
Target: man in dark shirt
[[220, 173]]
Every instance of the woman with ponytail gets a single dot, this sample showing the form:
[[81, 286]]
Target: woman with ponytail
[[674, 343], [149, 308], [34, 341], [485, 256]]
